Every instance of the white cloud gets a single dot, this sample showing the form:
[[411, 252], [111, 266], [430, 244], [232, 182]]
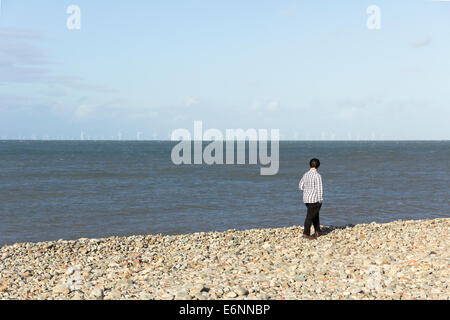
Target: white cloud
[[23, 61], [270, 106], [256, 105], [289, 11], [20, 33], [191, 101], [421, 42], [139, 115], [273, 106], [347, 113], [84, 111]]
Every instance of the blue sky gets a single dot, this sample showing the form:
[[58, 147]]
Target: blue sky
[[309, 68]]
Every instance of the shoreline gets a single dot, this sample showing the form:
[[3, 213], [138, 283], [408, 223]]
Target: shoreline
[[397, 260], [116, 237]]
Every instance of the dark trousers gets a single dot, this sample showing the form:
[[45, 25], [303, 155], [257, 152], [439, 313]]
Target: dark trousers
[[312, 217]]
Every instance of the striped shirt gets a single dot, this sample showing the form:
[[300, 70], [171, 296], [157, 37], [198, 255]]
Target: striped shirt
[[311, 185]]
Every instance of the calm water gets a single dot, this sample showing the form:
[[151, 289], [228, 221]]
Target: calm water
[[69, 190]]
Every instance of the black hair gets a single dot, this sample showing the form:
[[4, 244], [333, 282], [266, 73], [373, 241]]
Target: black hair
[[314, 163]]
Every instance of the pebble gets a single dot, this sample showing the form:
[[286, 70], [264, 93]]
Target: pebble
[[398, 260], [97, 293], [241, 291], [61, 289], [231, 294], [77, 296]]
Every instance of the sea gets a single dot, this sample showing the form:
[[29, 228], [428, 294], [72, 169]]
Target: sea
[[51, 190]]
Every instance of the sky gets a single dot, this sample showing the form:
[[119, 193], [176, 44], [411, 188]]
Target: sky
[[142, 69]]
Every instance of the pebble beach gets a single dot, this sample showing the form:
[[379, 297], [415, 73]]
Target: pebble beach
[[398, 260]]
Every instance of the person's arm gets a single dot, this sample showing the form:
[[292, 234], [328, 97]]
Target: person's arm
[[302, 183], [320, 188]]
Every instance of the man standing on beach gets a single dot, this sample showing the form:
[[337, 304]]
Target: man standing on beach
[[311, 185]]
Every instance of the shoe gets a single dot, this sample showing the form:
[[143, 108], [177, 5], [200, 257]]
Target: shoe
[[317, 234], [308, 237]]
